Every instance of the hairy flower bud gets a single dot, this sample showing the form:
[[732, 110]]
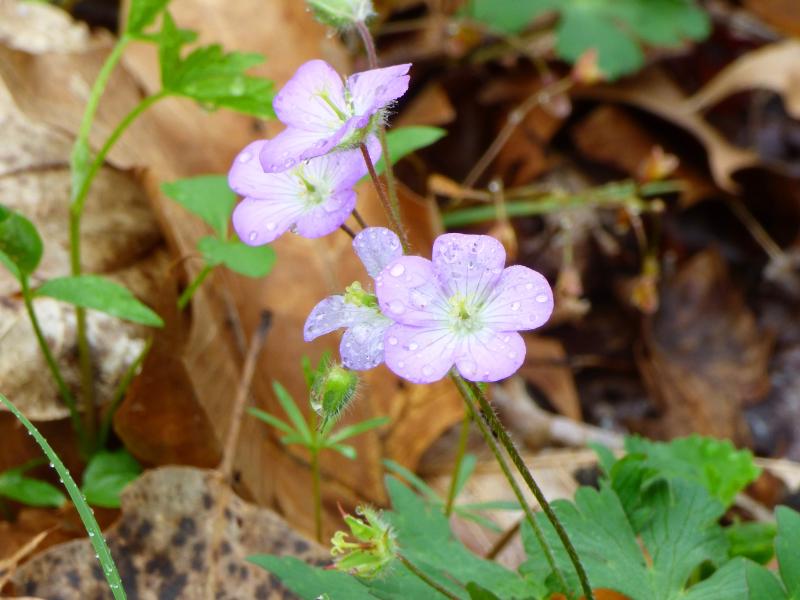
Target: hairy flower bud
[[333, 390], [369, 548], [341, 13]]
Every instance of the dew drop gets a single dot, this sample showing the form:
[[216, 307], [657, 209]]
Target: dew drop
[[396, 307], [515, 306], [252, 236], [271, 226], [289, 163], [397, 270], [392, 341], [245, 157], [541, 298], [427, 371], [467, 366], [528, 286], [412, 346], [401, 364], [512, 355]]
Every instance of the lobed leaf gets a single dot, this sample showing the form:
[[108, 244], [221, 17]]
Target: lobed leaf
[[142, 13], [207, 196], [252, 261]]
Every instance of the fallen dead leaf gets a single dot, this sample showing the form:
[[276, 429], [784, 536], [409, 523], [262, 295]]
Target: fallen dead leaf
[[783, 15], [546, 368]]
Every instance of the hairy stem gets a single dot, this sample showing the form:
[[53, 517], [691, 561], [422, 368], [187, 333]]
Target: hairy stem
[[192, 288], [462, 448], [497, 429], [480, 419], [316, 494], [391, 214], [425, 579]]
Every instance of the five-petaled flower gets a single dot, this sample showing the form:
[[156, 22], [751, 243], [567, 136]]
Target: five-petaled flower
[[462, 308], [313, 199], [362, 345], [324, 113]]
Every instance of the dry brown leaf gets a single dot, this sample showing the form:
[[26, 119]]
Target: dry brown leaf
[[431, 106], [654, 92], [704, 356], [182, 534], [775, 67], [783, 15], [546, 368], [39, 27]]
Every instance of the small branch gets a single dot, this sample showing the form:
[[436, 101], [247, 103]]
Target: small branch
[[503, 540], [427, 580], [256, 344]]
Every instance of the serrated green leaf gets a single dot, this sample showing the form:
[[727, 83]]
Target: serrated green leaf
[[207, 196], [142, 13], [98, 293], [788, 549], [212, 77], [21, 246], [106, 476], [740, 579], [33, 492], [402, 141], [309, 582], [252, 261], [753, 540]]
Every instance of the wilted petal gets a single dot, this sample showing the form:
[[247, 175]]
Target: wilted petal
[[333, 313], [258, 222], [377, 247], [469, 265], [293, 145], [375, 89], [490, 355], [327, 217], [522, 299], [308, 99], [409, 293], [362, 345], [419, 354]]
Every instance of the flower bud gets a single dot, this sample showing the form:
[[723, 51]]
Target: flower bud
[[341, 13], [333, 390], [368, 549]]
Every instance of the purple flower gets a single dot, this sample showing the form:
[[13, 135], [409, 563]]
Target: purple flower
[[357, 310], [313, 199], [323, 113], [462, 308]]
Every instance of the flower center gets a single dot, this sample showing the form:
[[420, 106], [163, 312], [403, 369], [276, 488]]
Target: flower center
[[312, 194], [464, 314], [358, 296]]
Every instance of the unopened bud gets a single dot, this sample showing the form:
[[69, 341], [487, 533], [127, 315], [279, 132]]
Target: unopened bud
[[369, 547], [333, 390], [341, 14]]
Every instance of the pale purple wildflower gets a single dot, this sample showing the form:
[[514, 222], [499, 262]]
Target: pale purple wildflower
[[322, 112], [363, 343], [313, 199], [462, 308]]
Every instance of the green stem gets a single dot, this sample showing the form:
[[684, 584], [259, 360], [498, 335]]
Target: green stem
[[119, 394], [462, 448], [497, 429], [394, 217], [85, 513], [315, 492], [425, 579], [472, 410], [66, 394], [192, 287]]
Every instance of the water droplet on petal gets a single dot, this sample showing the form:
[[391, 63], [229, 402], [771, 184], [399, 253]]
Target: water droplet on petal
[[427, 371], [512, 355], [541, 298], [528, 286], [289, 163], [467, 366], [252, 236], [270, 226], [245, 157], [412, 346], [515, 306], [392, 341], [397, 270], [396, 307]]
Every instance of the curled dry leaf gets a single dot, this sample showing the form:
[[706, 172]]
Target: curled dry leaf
[[704, 356], [182, 534]]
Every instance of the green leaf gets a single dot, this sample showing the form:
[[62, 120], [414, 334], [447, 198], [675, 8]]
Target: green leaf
[[142, 13], [423, 488], [477, 592], [508, 16], [787, 549], [252, 261], [466, 468], [15, 486], [212, 77], [345, 450], [106, 476], [21, 246], [271, 420], [740, 579], [207, 196], [292, 411], [753, 540], [309, 582], [402, 141], [97, 293], [356, 429]]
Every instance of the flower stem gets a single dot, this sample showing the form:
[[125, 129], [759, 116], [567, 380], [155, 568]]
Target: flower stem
[[316, 494], [462, 448], [391, 214], [66, 394], [348, 231], [481, 420], [359, 219], [424, 578], [190, 290], [497, 429]]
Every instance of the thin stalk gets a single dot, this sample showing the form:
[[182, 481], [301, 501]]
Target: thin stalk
[[359, 219], [316, 493], [190, 290], [498, 430], [391, 214], [462, 448], [119, 394], [66, 394], [475, 413], [425, 579], [503, 540], [348, 231]]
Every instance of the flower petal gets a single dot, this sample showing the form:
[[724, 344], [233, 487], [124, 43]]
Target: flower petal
[[293, 145], [469, 265], [336, 170], [377, 247], [308, 99], [375, 89], [409, 293], [362, 345], [522, 299], [490, 355], [247, 178], [327, 217], [333, 313], [258, 222], [419, 354]]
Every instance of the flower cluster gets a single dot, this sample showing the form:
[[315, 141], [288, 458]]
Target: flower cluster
[[302, 179]]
